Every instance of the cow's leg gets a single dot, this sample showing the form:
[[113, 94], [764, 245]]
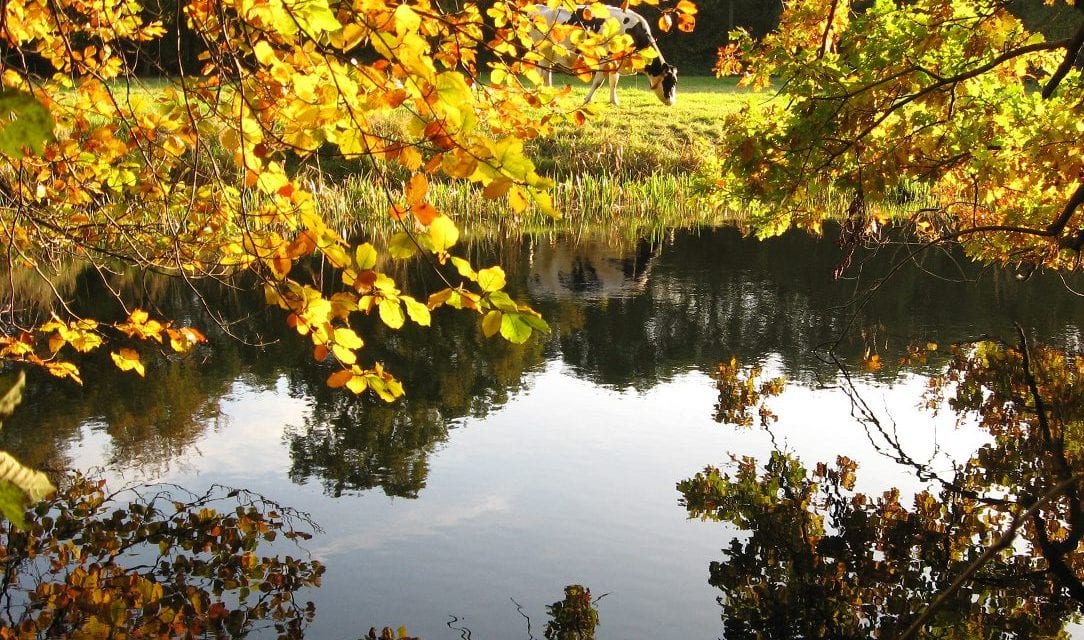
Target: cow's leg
[[596, 82], [613, 87], [547, 74]]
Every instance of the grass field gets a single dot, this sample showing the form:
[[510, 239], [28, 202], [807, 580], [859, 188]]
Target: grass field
[[634, 164], [631, 168], [641, 136]]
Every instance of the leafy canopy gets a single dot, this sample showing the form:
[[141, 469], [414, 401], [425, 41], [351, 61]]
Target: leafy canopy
[[954, 102], [217, 173]]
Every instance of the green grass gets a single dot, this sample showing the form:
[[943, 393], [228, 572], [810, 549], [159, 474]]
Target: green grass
[[629, 169], [641, 136], [629, 166]]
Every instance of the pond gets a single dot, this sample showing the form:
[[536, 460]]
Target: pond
[[511, 471]]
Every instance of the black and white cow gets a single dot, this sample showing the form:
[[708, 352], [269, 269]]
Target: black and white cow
[[662, 76]]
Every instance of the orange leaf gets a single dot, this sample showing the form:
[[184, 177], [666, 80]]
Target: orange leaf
[[425, 213], [665, 22], [416, 188], [303, 245], [339, 378], [398, 211]]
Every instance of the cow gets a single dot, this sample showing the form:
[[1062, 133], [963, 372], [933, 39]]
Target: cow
[[661, 75]]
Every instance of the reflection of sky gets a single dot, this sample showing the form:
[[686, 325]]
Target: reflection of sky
[[567, 483]]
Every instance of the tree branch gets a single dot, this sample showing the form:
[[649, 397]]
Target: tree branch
[[943, 82], [1058, 225], [828, 29], [1072, 49]]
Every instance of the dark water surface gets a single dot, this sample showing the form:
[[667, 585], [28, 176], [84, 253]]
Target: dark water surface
[[511, 471]]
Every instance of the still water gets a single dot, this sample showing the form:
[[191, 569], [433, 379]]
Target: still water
[[509, 472]]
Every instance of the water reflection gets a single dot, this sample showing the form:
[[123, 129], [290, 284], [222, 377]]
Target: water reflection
[[992, 550], [629, 314], [554, 461], [154, 562]]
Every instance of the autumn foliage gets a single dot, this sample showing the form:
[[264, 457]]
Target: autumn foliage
[[216, 172], [954, 107]]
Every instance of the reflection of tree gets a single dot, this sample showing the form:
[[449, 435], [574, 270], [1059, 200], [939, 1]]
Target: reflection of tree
[[712, 294], [153, 562], [353, 445], [823, 561], [573, 618], [690, 299]]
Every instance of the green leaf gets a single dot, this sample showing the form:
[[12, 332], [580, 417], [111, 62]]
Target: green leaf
[[491, 279], [514, 329], [417, 311], [401, 246], [25, 123]]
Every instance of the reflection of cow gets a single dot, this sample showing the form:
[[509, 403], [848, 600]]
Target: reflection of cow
[[662, 77], [589, 270]]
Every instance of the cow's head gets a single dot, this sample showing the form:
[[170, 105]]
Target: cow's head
[[663, 77]]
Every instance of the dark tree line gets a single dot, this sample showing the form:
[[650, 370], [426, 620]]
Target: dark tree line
[[178, 51]]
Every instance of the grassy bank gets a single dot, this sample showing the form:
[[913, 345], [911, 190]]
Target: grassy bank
[[631, 167]]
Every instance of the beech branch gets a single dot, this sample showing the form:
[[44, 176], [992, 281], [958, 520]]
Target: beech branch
[[1073, 49]]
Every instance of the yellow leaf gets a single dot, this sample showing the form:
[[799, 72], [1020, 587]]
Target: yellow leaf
[[343, 354], [491, 323], [491, 279], [128, 360], [464, 268], [516, 199], [357, 384], [417, 311], [391, 313], [348, 338], [443, 233], [264, 53], [406, 20]]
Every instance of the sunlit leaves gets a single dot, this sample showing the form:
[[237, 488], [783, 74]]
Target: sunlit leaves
[[214, 174], [25, 124], [128, 360], [964, 109], [359, 380]]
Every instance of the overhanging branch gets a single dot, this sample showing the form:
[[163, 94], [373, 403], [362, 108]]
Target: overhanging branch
[[1071, 52]]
